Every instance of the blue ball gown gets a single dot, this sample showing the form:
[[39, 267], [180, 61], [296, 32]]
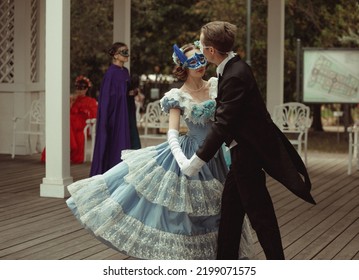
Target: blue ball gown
[[145, 207]]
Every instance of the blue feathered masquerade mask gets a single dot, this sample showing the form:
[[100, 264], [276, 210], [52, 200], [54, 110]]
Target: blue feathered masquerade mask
[[196, 61]]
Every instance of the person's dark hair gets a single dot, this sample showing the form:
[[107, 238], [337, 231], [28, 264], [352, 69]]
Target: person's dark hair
[[220, 35], [81, 85], [180, 72], [114, 48], [82, 82]]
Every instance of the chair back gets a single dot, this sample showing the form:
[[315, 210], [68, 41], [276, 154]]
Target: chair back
[[31, 124], [36, 113], [155, 117], [353, 147], [89, 130], [292, 116], [139, 119]]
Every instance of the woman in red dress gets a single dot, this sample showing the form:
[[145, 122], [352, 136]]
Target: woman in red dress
[[82, 107]]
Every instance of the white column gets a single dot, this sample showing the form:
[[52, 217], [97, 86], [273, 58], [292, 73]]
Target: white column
[[275, 54], [57, 87], [122, 22]]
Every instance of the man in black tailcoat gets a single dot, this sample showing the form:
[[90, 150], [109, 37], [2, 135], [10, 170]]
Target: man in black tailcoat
[[256, 145]]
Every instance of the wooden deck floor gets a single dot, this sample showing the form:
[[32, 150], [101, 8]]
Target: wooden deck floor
[[33, 227]]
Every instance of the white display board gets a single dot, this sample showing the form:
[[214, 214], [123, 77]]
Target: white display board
[[331, 75]]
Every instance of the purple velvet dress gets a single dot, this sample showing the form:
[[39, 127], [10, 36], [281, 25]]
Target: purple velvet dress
[[112, 127]]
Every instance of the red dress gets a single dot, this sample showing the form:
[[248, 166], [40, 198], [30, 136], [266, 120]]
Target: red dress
[[83, 108]]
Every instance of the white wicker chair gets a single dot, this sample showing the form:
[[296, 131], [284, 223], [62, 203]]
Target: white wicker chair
[[33, 125], [139, 117], [89, 130], [154, 120], [155, 123], [353, 148], [294, 120]]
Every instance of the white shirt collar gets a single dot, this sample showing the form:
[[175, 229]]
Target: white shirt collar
[[220, 67]]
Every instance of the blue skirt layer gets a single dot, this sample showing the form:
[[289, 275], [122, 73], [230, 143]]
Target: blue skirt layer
[[146, 208]]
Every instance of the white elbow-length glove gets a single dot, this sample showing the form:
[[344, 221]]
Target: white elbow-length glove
[[172, 138], [193, 166]]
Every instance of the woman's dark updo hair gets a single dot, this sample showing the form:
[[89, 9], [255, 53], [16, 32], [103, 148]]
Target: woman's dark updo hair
[[180, 72], [114, 48]]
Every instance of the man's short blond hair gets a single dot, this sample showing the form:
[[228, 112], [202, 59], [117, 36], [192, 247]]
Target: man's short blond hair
[[220, 35]]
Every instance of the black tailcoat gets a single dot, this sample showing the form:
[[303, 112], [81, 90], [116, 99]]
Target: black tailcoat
[[241, 115]]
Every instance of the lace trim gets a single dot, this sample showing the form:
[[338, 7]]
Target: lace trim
[[100, 214], [137, 239], [176, 192], [106, 219], [187, 105], [87, 197]]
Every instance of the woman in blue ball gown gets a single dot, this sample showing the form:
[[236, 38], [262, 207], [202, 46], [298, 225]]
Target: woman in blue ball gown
[[145, 207]]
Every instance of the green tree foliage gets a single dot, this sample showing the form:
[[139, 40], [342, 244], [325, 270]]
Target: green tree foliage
[[158, 24], [91, 36], [235, 11], [350, 22], [318, 24]]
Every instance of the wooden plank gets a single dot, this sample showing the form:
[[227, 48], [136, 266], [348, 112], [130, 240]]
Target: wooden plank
[[297, 207], [107, 254], [32, 227], [324, 233], [87, 253], [38, 230], [31, 218], [119, 256], [300, 232], [27, 248], [350, 251], [340, 234], [63, 250], [21, 212]]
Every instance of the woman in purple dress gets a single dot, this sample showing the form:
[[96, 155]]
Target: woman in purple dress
[[114, 127]]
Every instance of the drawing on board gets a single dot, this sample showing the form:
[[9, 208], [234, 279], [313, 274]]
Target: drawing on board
[[331, 76]]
